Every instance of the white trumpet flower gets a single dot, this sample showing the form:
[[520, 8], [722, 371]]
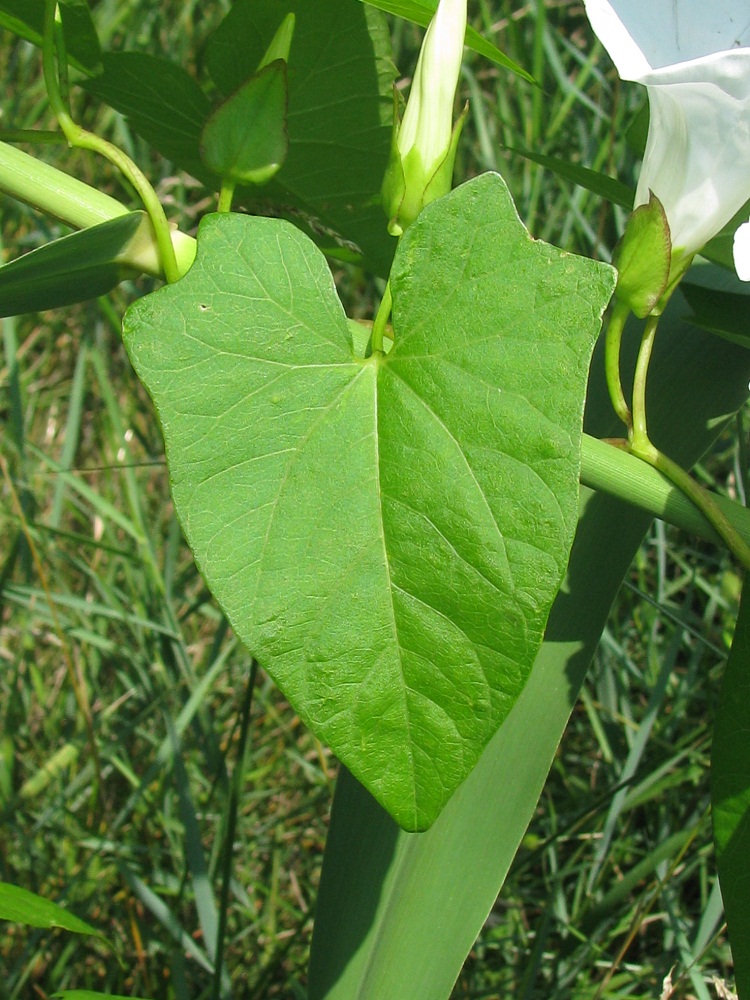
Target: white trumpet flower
[[693, 57]]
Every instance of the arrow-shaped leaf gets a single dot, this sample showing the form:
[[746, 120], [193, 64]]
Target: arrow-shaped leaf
[[387, 535]]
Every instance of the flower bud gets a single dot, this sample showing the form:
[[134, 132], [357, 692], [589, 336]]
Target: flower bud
[[424, 142]]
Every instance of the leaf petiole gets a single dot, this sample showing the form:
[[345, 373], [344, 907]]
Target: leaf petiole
[[381, 319]]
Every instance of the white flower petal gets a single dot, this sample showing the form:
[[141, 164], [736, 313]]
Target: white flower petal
[[694, 58], [742, 251], [664, 32]]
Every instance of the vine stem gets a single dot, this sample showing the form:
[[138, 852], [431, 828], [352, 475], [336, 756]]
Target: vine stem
[[225, 197], [640, 445], [612, 343], [80, 138], [609, 466], [702, 500], [639, 430], [381, 319]]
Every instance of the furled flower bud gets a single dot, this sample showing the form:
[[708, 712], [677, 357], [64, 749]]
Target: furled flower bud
[[423, 147]]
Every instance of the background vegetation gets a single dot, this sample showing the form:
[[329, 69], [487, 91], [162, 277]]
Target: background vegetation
[[103, 612]]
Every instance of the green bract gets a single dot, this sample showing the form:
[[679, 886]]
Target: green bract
[[245, 139], [643, 257]]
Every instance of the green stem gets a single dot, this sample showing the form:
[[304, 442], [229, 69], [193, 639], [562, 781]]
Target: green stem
[[49, 190], [226, 195], [612, 344], [610, 468], [639, 431], [82, 139], [704, 501], [381, 319]]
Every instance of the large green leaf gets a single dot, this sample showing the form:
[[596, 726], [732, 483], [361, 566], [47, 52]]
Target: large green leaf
[[376, 931], [730, 792], [24, 907], [387, 535], [162, 102]]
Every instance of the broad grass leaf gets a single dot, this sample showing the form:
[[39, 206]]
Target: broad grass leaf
[[24, 907], [74, 268], [730, 793], [386, 534]]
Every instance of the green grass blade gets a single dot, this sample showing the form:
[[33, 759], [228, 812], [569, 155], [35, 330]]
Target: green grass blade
[[196, 861], [72, 269], [89, 995], [730, 776], [165, 916], [422, 14], [24, 907], [592, 180]]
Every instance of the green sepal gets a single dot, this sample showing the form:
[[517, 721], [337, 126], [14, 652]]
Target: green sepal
[[643, 258], [245, 139], [441, 181], [407, 187], [75, 268], [394, 183]]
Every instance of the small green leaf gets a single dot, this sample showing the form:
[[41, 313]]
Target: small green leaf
[[643, 257], [730, 794], [75, 268], [387, 534], [340, 78], [245, 138], [23, 907]]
